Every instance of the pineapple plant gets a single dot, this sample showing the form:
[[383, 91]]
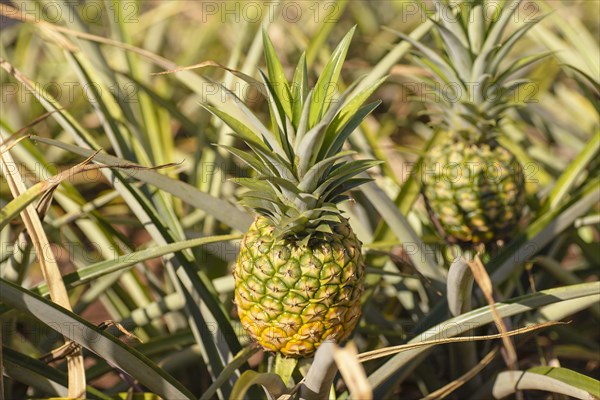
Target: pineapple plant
[[300, 272], [472, 185]]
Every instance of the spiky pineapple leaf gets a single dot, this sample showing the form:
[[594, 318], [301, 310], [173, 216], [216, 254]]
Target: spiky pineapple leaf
[[334, 144], [284, 183], [446, 72], [252, 183], [299, 90], [271, 139], [511, 86], [249, 159], [492, 42], [438, 74], [348, 185], [434, 88], [279, 118], [238, 127], [476, 28], [519, 65], [328, 80], [509, 44], [452, 25], [325, 228], [329, 218], [589, 85], [460, 56], [310, 179], [277, 77], [267, 192], [347, 113], [497, 28], [594, 83], [276, 164], [262, 195], [343, 173], [311, 141], [261, 206], [303, 122]]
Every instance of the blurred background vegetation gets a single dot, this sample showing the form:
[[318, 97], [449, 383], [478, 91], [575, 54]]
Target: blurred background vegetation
[[82, 75]]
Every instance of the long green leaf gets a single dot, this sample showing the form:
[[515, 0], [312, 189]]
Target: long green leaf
[[541, 232], [482, 316], [272, 139], [328, 80], [94, 339], [277, 77], [271, 382], [220, 209], [97, 270], [237, 361], [40, 375], [299, 90], [570, 377], [569, 176], [335, 142], [11, 210], [421, 256], [509, 382], [346, 114]]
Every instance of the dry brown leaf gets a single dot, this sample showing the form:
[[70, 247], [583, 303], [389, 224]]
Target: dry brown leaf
[[464, 378], [352, 371], [50, 271], [483, 280], [387, 351]]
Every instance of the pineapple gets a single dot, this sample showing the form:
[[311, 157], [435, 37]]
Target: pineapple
[[300, 272], [473, 186]]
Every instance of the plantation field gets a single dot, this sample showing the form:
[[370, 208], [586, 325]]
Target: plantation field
[[300, 199]]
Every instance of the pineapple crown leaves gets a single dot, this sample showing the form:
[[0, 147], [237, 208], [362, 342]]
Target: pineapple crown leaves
[[301, 169], [473, 88]]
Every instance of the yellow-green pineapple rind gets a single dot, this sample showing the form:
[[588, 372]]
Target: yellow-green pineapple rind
[[475, 191], [291, 297]]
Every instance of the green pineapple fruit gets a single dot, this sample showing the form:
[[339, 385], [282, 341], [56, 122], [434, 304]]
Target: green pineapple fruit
[[300, 272], [473, 186]]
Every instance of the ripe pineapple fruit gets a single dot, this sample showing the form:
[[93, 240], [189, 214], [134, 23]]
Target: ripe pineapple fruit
[[473, 186], [300, 272]]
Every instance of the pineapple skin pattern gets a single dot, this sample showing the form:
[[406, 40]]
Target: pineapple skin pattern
[[474, 192], [291, 297]]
